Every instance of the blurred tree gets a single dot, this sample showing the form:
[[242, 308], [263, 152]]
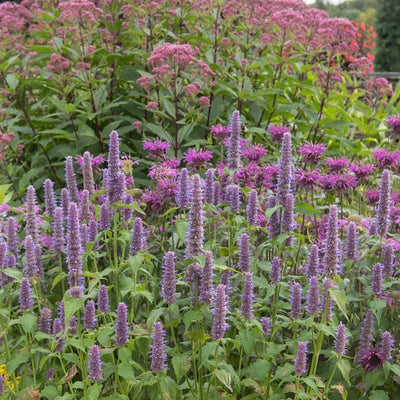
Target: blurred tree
[[388, 40]]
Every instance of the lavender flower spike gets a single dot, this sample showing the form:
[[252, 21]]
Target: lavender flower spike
[[387, 260], [138, 240], [25, 295], [74, 253], [114, 191], [367, 331], [31, 222], [234, 149], [246, 309], [351, 242], [31, 269], [244, 253], [206, 289], [158, 354], [94, 364], [89, 320], [183, 194], [313, 303], [313, 261], [58, 328], [276, 269], [70, 179], [209, 186], [65, 200], [121, 326], [331, 257], [295, 300], [104, 217], [87, 170], [341, 338], [382, 213], [285, 177], [252, 208], [44, 321], [50, 202], [266, 325], [58, 230], [12, 238], [387, 346], [288, 223], [102, 299], [195, 234], [377, 279], [300, 363], [168, 287], [219, 323]]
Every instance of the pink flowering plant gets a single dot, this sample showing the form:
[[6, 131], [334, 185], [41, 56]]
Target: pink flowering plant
[[198, 200]]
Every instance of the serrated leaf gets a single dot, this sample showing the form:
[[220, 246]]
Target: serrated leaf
[[345, 368], [306, 209], [71, 306], [224, 377], [16, 361], [378, 395], [181, 365], [339, 297], [192, 316], [94, 391], [247, 340], [29, 322], [13, 273]]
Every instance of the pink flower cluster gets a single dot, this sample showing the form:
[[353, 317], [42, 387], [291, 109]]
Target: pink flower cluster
[[58, 64], [198, 158]]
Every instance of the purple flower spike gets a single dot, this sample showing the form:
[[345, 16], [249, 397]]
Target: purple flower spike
[[246, 309], [121, 326], [288, 223], [252, 208], [168, 288], [266, 325], [31, 269], [94, 364], [206, 289], [87, 170], [138, 237], [50, 202], [313, 302], [74, 253], [377, 279], [70, 179], [65, 200], [114, 190], [126, 212], [216, 189], [1, 383], [102, 299], [276, 269], [295, 300], [89, 319], [209, 186], [244, 253], [351, 242], [195, 234], [58, 328], [73, 325], [25, 295], [84, 207], [332, 243], [183, 194], [12, 238], [341, 338], [92, 232], [234, 149], [58, 230], [313, 261], [300, 363], [219, 323], [326, 285], [387, 346], [285, 177], [31, 216], [44, 321], [367, 331], [382, 213], [105, 217], [233, 198], [387, 260], [158, 349], [274, 224]]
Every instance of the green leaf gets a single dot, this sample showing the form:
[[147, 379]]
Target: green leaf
[[395, 368], [58, 279], [16, 361], [154, 316], [50, 392], [12, 81], [168, 388], [339, 297], [192, 316], [181, 365], [224, 377], [94, 391], [307, 209], [3, 191], [13, 273], [247, 340], [345, 368], [378, 395], [29, 322], [71, 306], [127, 372]]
